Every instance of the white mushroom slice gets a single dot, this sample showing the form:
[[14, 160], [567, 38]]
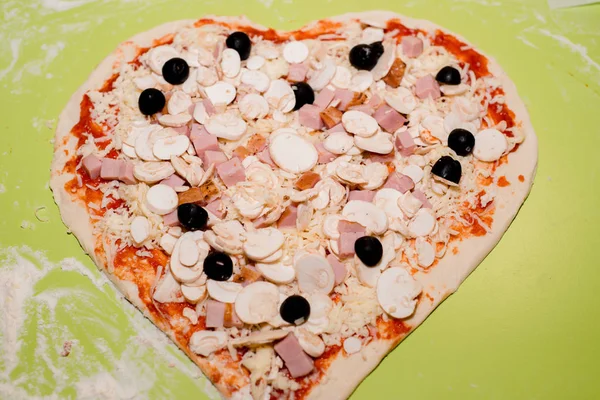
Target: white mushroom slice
[[380, 143], [230, 63], [351, 173], [257, 303], [387, 200], [260, 338], [257, 79], [338, 143], [168, 290], [304, 216], [320, 307], [261, 243], [167, 243], [228, 237], [367, 214], [370, 35], [342, 78], [376, 173], [183, 273], [174, 121], [396, 292], [227, 126], [200, 114], [188, 252], [414, 172], [152, 172], [253, 106], [330, 226], [255, 63], [129, 151], [179, 103], [385, 61], [225, 292], [322, 77], [292, 152], [361, 81], [281, 96], [206, 76], [190, 172], [295, 52], [409, 204], [158, 56], [247, 205], [422, 224], [490, 145], [161, 199], [221, 93], [273, 258], [352, 345], [144, 82], [312, 344], [425, 253], [435, 125], [175, 146], [455, 90], [314, 274], [193, 294], [139, 229], [359, 123], [277, 321], [277, 273], [142, 144], [369, 275], [402, 100], [204, 343]]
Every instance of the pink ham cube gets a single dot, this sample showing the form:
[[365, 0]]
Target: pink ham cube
[[265, 157], [211, 157], [389, 119], [339, 269], [310, 117], [405, 144], [296, 360], [126, 173], [232, 172], [297, 72], [173, 181], [426, 87], [401, 183], [171, 219], [324, 155], [323, 99], [215, 208], [203, 141], [412, 46], [362, 195], [111, 169], [288, 218], [346, 243], [345, 96], [92, 166], [422, 198], [351, 227]]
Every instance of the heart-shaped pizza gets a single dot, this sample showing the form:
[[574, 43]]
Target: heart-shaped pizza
[[288, 206]]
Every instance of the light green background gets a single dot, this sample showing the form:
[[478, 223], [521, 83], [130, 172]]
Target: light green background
[[523, 326]]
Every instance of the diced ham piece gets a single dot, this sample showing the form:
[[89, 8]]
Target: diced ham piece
[[171, 219], [92, 166], [297, 72], [367, 109], [173, 181], [211, 157], [209, 107], [324, 155], [232, 172], [345, 97], [111, 169], [351, 227], [203, 141], [296, 360], [215, 314], [126, 173], [288, 218], [231, 317], [412, 46], [396, 73], [375, 102], [422, 198], [265, 157], [346, 243], [323, 99], [215, 208], [310, 117], [337, 128], [182, 130], [426, 87], [405, 144], [363, 195], [388, 118], [380, 158], [339, 269], [308, 180], [401, 183]]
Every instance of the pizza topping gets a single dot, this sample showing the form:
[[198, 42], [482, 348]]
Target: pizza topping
[[366, 214], [422, 224], [380, 143], [192, 216], [448, 169], [311, 343], [151, 101], [181, 272], [303, 94], [161, 199], [296, 360], [461, 141], [295, 310], [369, 250], [240, 42], [225, 292], [176, 71], [365, 56], [427, 87], [221, 93], [230, 63], [490, 145], [321, 77], [193, 294], [292, 152], [359, 123], [165, 148], [255, 63], [277, 272], [257, 303], [448, 76], [396, 292], [140, 229], [158, 56], [425, 253], [295, 52], [218, 266], [338, 142], [412, 46], [204, 343], [352, 345], [262, 243]]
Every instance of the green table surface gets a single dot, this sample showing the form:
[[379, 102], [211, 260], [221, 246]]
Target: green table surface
[[523, 326]]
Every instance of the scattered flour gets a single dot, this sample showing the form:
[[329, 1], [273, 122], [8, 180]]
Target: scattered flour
[[574, 47]]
